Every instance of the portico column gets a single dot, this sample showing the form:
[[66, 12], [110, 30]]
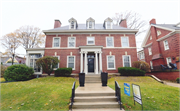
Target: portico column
[[85, 63], [27, 59], [96, 63], [81, 63], [100, 62]]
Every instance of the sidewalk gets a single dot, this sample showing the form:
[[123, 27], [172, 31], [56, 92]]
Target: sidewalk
[[171, 84]]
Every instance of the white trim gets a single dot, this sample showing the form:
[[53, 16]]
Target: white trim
[[148, 45], [122, 41], [74, 42], [165, 28], [146, 36], [87, 40], [150, 50], [166, 36], [168, 61], [158, 32], [68, 61], [58, 63], [62, 48], [119, 47], [91, 47], [112, 41], [165, 48], [74, 24], [129, 59], [151, 65], [93, 24], [114, 63], [59, 42], [150, 37]]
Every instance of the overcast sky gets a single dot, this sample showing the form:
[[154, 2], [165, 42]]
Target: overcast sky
[[42, 13]]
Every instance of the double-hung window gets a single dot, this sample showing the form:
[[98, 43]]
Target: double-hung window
[[111, 62], [166, 46], [151, 64], [71, 41], [57, 65], [109, 42], [71, 62], [90, 41], [168, 59], [125, 41], [72, 24], [56, 42], [150, 52], [126, 61]]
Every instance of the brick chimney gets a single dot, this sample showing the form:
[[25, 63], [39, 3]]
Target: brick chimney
[[57, 23], [153, 21], [123, 23]]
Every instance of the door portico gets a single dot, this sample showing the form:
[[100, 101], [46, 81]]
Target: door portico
[[87, 61]]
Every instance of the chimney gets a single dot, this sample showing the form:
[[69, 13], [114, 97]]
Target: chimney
[[57, 23], [153, 21], [123, 23]]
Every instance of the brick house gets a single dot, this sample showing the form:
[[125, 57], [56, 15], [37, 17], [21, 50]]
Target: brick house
[[140, 55], [161, 44], [89, 47]]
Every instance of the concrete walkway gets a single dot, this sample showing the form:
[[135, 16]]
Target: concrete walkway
[[172, 84]]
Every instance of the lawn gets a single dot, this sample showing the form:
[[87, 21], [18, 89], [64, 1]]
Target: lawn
[[2, 80], [155, 95], [47, 93]]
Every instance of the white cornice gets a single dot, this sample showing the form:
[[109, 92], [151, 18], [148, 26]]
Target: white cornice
[[62, 48], [148, 45], [29, 49], [165, 28], [166, 36], [119, 47]]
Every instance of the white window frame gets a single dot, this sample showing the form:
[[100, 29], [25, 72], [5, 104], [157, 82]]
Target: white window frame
[[74, 61], [158, 32], [129, 59], [112, 41], [167, 60], [150, 50], [87, 40], [58, 63], [142, 55], [92, 25], [74, 41], [122, 42], [114, 63], [151, 65], [166, 46], [151, 37], [59, 41], [107, 25], [74, 25]]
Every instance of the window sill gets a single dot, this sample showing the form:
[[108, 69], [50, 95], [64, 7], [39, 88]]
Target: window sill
[[90, 44], [111, 69]]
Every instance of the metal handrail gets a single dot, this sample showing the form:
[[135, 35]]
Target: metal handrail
[[118, 94], [73, 94]]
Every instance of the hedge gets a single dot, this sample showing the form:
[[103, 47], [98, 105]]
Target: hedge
[[63, 72], [178, 80], [130, 71], [18, 72]]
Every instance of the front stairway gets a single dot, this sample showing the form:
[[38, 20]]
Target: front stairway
[[94, 97]]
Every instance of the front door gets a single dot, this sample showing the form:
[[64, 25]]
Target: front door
[[90, 64]]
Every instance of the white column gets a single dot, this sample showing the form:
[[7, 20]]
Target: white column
[[100, 62], [27, 59], [96, 57], [81, 62], [85, 63]]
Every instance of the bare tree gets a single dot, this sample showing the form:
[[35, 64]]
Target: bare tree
[[133, 20], [31, 37], [11, 42]]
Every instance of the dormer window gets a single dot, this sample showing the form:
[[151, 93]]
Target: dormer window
[[90, 23], [108, 23], [72, 23]]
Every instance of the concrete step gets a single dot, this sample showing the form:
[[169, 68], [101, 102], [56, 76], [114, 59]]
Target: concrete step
[[95, 99], [99, 109], [91, 105], [92, 81], [90, 94]]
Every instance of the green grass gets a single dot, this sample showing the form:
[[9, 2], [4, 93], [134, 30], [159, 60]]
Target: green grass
[[155, 96], [2, 80], [47, 93]]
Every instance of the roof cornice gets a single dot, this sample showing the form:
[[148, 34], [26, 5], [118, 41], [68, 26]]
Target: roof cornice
[[146, 37], [165, 28], [166, 36]]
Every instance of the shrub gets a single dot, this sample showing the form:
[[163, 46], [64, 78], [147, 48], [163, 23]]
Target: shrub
[[47, 63], [18, 72], [130, 71], [141, 65], [178, 80], [3, 68], [63, 72]]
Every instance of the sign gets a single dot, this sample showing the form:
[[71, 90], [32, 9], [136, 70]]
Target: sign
[[137, 94], [127, 89]]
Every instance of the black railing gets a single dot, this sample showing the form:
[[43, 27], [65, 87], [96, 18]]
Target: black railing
[[164, 67], [73, 94], [118, 94]]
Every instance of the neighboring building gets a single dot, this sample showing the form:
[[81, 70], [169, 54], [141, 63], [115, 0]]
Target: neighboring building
[[8, 60], [161, 44], [141, 56], [89, 48]]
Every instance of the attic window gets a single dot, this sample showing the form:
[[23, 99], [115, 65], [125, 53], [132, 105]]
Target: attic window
[[72, 25], [90, 25], [108, 25], [158, 33]]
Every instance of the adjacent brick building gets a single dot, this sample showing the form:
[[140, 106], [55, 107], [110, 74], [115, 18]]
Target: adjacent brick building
[[89, 47], [162, 44]]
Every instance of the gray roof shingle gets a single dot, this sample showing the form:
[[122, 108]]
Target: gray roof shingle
[[170, 26]]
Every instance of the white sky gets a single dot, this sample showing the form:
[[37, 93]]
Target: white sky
[[42, 13]]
